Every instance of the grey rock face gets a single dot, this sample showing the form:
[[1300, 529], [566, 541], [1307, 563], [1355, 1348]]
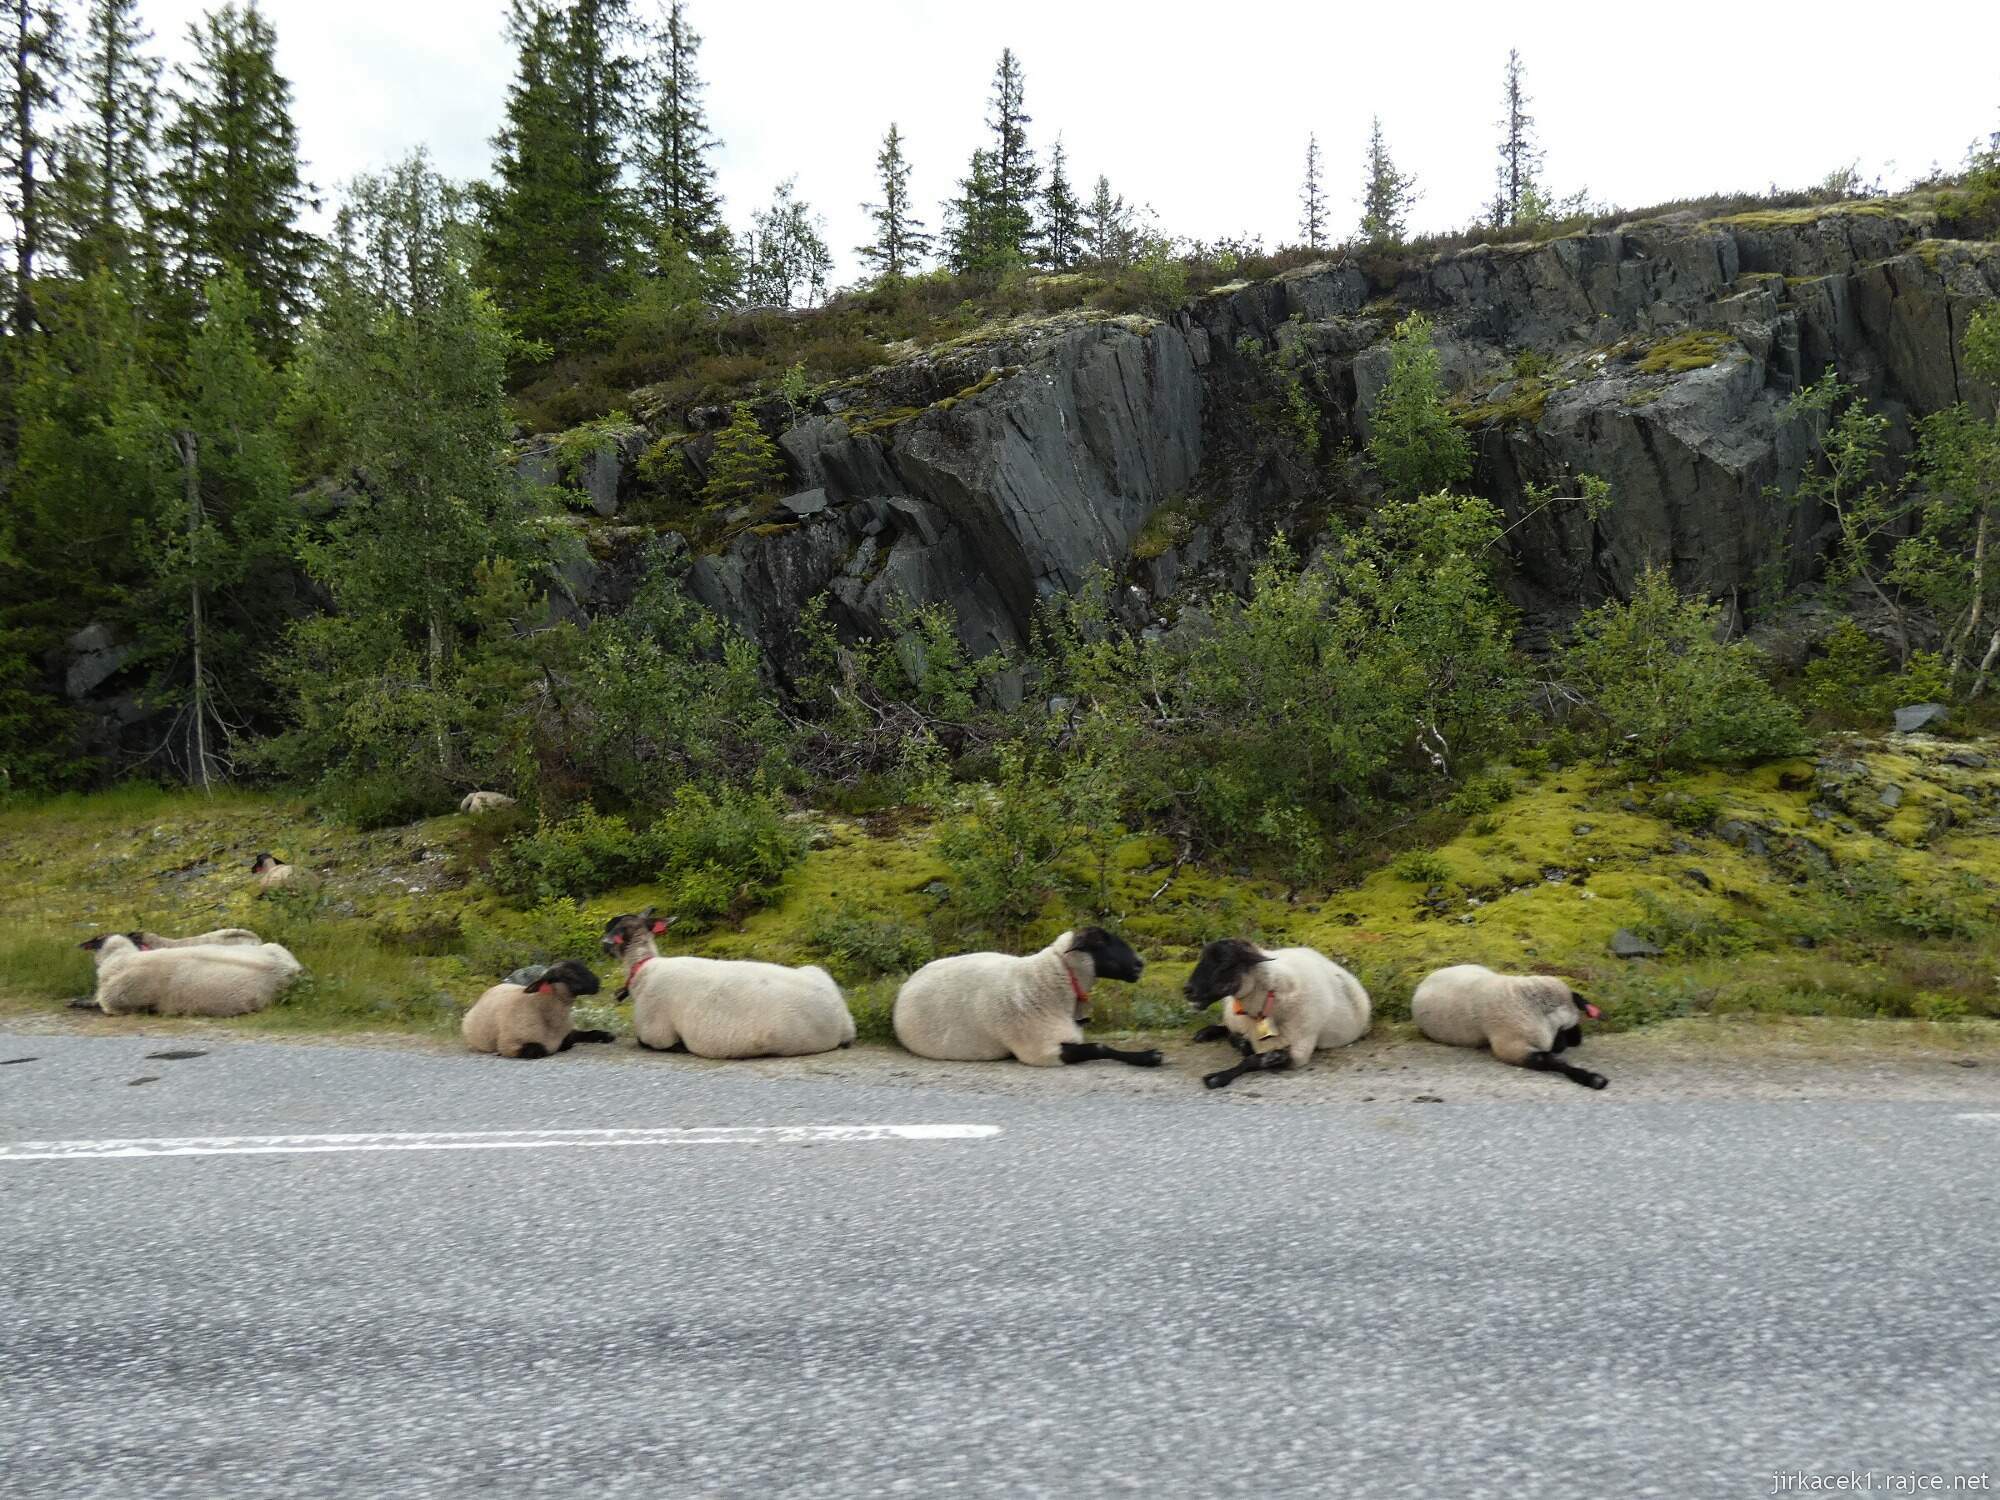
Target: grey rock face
[[1625, 943]]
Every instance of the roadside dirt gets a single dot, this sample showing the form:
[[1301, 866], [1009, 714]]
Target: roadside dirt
[[1708, 1058]]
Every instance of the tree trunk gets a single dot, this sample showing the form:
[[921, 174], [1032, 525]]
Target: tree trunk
[[1986, 664], [1978, 599], [434, 672], [201, 757], [25, 227]]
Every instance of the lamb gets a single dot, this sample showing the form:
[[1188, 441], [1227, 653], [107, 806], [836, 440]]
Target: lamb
[[1525, 1018], [531, 1020], [980, 1007], [218, 980], [1279, 1007], [724, 1008], [271, 872], [481, 802], [226, 936]]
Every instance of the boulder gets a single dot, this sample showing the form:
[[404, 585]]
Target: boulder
[[1625, 943], [1920, 716]]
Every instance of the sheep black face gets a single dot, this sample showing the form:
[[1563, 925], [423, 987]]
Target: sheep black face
[[1572, 1035], [1219, 973], [622, 932], [571, 974], [91, 945], [263, 862], [1111, 957]]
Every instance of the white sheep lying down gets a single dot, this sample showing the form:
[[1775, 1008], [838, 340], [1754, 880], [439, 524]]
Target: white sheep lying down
[[222, 936], [217, 980], [531, 1019], [1278, 1007], [1526, 1019], [484, 802], [724, 1007], [980, 1007]]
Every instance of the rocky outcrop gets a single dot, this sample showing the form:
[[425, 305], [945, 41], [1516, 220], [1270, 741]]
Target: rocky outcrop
[[998, 471]]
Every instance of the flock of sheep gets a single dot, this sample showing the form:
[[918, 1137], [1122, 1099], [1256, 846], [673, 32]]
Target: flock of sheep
[[1278, 1007]]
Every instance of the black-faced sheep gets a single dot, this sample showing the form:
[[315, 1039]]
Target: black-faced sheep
[[220, 980], [980, 1007], [481, 802], [531, 1020], [724, 1007], [1278, 1007], [1526, 1019], [271, 872]]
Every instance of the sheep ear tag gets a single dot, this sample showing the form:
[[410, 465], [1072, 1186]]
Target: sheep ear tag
[[1263, 1031], [659, 927], [1591, 1011]]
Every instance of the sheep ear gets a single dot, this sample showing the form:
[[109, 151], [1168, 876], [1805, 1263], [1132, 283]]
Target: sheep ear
[[660, 927], [536, 988]]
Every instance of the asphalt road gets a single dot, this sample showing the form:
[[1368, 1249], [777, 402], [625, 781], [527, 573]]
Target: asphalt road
[[1563, 1295]]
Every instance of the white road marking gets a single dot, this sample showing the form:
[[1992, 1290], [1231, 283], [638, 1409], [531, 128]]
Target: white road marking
[[1979, 1117], [483, 1140]]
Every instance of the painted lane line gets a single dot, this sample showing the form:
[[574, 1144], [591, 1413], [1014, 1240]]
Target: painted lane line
[[482, 1140], [1979, 1117]]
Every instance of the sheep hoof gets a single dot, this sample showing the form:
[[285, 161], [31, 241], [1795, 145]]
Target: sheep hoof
[[1150, 1058], [1593, 1080], [1220, 1080]]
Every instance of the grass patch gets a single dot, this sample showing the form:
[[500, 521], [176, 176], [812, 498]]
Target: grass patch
[[1686, 351]]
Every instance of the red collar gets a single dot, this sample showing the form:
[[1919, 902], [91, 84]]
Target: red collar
[[1270, 999], [633, 973]]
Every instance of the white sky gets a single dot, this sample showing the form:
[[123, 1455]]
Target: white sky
[[1202, 110]]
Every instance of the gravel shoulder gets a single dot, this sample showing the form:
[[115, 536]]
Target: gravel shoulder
[[1747, 1057]]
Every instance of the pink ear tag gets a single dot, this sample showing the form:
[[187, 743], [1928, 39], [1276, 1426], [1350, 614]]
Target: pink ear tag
[[1592, 1011], [659, 927]]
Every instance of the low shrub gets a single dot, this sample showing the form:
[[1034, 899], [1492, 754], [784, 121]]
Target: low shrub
[[860, 942], [586, 852], [723, 853]]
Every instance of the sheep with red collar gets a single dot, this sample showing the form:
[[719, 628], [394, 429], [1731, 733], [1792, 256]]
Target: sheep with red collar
[[724, 1007], [1278, 1008], [980, 1007], [1524, 1019]]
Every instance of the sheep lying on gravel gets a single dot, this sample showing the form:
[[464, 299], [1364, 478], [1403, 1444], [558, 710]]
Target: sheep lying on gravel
[[222, 936], [531, 1020], [479, 802], [1525, 1018], [271, 872], [1277, 1007], [979, 1007], [724, 1007], [220, 980]]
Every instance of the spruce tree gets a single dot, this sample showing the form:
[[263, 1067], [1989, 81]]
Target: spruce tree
[[31, 85], [1520, 155], [1106, 235], [1062, 215], [557, 234], [1386, 195], [234, 189], [676, 178], [1011, 222], [106, 189], [972, 244], [900, 243], [1312, 200], [746, 465]]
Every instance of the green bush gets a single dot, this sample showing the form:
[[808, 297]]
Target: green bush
[[1482, 794], [860, 942], [1667, 692], [586, 852], [724, 852], [1421, 867], [552, 930]]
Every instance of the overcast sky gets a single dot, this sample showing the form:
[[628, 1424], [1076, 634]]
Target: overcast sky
[[1202, 111]]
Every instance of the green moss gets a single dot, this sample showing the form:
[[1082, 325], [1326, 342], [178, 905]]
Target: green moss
[[874, 424], [1695, 350], [1522, 404], [1167, 527], [1645, 397], [1786, 218], [985, 382]]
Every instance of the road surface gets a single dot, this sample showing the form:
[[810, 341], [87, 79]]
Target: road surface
[[1109, 1293]]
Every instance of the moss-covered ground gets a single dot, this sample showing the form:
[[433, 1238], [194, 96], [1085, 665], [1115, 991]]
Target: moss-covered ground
[[1860, 883]]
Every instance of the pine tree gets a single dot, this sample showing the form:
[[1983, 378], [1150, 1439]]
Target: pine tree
[[557, 233], [971, 242], [106, 189], [1520, 156], [1062, 215], [1106, 236], [1312, 200], [1011, 222], [676, 178], [900, 243], [233, 180], [30, 87], [1386, 195], [746, 465]]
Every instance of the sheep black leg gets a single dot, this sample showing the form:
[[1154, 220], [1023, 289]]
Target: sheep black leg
[[1569, 1036], [1250, 1062], [1080, 1052], [586, 1036], [1548, 1062], [1210, 1034], [532, 1049], [678, 1046]]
